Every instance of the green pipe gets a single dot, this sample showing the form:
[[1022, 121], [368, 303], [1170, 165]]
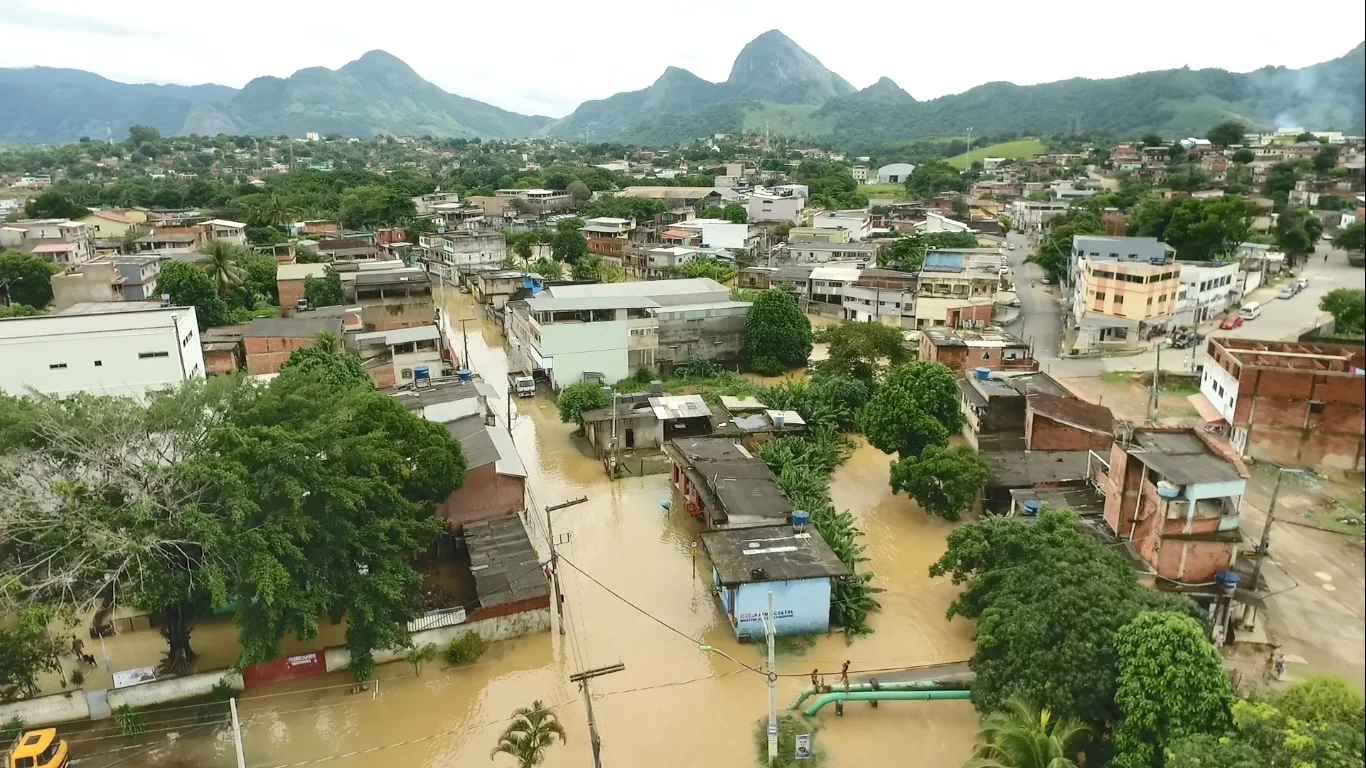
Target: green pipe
[[914, 685], [887, 696]]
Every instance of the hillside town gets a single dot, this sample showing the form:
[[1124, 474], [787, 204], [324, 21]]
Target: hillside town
[[370, 449]]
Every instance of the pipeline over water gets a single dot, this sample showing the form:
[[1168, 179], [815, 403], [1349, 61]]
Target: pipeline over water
[[940, 695], [919, 685]]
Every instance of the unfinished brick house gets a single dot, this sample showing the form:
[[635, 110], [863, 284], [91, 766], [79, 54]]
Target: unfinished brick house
[[1059, 423], [1173, 494], [1289, 403]]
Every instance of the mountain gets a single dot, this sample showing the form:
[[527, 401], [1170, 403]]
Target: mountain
[[374, 94], [770, 69]]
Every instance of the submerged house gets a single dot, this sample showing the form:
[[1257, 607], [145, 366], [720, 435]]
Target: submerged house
[[792, 562], [724, 485]]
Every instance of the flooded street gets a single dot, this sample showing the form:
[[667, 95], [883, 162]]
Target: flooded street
[[673, 705]]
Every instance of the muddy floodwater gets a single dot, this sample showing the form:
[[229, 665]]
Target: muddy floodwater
[[673, 705]]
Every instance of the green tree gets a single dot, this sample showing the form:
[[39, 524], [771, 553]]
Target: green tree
[[1170, 684], [221, 265], [1056, 246], [1280, 180], [1023, 736], [51, 204], [532, 731], [568, 244], [1150, 140], [547, 268], [735, 213], [777, 333], [579, 191], [27, 651], [1297, 233], [260, 277], [702, 266], [1352, 237], [1243, 156], [26, 279], [1204, 750], [862, 351], [190, 286], [907, 253], [1323, 700], [373, 205], [1348, 308], [1204, 230], [929, 179], [325, 291], [326, 362], [579, 397], [943, 481], [917, 406], [1227, 133], [142, 134]]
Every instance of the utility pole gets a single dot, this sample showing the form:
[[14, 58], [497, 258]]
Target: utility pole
[[557, 593], [582, 679], [967, 159], [466, 338], [1265, 543], [237, 733], [1153, 392], [769, 632]]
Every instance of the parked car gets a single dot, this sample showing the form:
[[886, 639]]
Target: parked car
[[1015, 302], [1230, 322], [1288, 292]]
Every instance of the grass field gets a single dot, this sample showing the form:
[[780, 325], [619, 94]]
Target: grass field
[[784, 119], [894, 191], [1013, 150]]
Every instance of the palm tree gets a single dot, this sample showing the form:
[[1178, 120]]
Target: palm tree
[[221, 264], [274, 213], [327, 341], [1026, 737], [529, 734]]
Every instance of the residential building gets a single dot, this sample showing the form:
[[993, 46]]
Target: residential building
[[291, 280], [965, 351], [425, 205], [391, 298], [445, 254], [723, 485], [695, 196], [773, 207], [827, 283], [222, 230], [640, 422], [139, 276], [1063, 422], [858, 222], [1293, 404], [794, 279], [956, 289], [115, 348], [606, 235], [717, 233], [1123, 289], [60, 241], [756, 422], [401, 356], [889, 306], [786, 568], [350, 247], [495, 287], [818, 235], [548, 334], [167, 244], [812, 252], [1033, 216], [1173, 495], [541, 201], [658, 260], [95, 281], [495, 477], [223, 350], [269, 341], [860, 173], [1207, 289], [895, 173], [109, 225], [937, 222]]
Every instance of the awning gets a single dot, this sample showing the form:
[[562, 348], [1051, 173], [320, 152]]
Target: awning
[[1206, 409]]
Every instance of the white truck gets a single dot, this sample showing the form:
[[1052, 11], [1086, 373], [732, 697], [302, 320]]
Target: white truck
[[522, 384]]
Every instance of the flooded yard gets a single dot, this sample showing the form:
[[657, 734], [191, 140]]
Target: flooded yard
[[632, 596]]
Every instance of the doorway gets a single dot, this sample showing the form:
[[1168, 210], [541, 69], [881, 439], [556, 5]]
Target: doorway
[[630, 438]]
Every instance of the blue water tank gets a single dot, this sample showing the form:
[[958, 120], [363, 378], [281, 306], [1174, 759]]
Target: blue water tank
[[1031, 508], [421, 373], [800, 518], [982, 373], [464, 374], [1168, 490], [1228, 579]]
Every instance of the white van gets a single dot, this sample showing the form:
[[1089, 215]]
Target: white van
[[1250, 310]]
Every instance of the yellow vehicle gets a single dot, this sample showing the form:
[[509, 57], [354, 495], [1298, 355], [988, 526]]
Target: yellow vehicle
[[38, 749]]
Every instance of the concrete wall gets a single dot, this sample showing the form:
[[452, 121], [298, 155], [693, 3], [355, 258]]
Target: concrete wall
[[485, 495], [579, 347], [390, 314], [699, 337], [266, 355], [173, 689], [1045, 434], [491, 629], [47, 710]]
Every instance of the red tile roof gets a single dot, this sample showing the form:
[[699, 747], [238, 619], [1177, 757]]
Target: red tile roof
[[113, 216]]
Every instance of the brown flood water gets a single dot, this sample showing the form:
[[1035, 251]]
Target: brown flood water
[[673, 706]]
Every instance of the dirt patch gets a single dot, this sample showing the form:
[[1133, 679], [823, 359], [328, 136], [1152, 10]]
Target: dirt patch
[[1126, 395]]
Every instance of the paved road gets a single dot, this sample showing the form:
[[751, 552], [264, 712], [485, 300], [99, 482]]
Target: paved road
[[1281, 319]]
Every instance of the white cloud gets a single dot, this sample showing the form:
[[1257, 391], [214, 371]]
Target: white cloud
[[547, 57]]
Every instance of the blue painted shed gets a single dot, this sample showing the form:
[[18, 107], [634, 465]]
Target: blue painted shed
[[796, 565]]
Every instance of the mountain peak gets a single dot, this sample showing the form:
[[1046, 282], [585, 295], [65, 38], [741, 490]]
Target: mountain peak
[[885, 91], [772, 67], [378, 61]]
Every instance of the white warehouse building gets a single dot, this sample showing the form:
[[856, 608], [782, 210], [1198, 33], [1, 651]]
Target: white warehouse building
[[101, 348]]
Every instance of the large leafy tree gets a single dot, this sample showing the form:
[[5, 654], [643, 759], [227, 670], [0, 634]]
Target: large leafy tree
[[1170, 684], [1297, 232], [862, 350], [190, 286], [1352, 237], [532, 731], [372, 205], [777, 333], [325, 291], [1348, 308], [735, 213], [1227, 133], [52, 204], [26, 279], [26, 651], [1056, 245], [1202, 230], [917, 406], [943, 481], [1023, 736], [259, 278], [579, 397], [929, 179], [568, 244], [1048, 600]]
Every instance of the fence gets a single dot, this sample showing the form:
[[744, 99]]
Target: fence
[[448, 617]]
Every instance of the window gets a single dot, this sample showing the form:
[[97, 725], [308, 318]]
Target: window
[[56, 366], [1150, 301], [1100, 296], [406, 373], [1119, 298], [99, 363], [147, 355], [1315, 406]]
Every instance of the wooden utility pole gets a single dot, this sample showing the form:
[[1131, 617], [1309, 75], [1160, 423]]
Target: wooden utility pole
[[556, 594], [1265, 541], [582, 679], [466, 338]]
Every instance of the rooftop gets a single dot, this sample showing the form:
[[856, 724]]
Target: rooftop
[[680, 407], [401, 335], [651, 288], [411, 276], [555, 304], [167, 238], [737, 486], [1181, 457], [1310, 358], [667, 192], [299, 271], [54, 247], [963, 337], [225, 224], [505, 566], [1022, 469], [1073, 412], [774, 553], [107, 307], [292, 327]]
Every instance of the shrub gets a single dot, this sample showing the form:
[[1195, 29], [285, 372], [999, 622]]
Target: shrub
[[767, 365], [130, 721], [11, 729], [466, 649]]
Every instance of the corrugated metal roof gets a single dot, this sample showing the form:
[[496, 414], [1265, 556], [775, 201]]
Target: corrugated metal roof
[[679, 407]]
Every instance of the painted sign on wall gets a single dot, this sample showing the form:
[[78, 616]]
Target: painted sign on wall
[[286, 668], [799, 607]]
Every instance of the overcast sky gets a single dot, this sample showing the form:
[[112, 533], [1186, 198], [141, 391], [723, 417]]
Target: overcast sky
[[543, 57]]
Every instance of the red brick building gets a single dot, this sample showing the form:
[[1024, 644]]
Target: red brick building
[[1057, 423], [1289, 403], [269, 341], [964, 351]]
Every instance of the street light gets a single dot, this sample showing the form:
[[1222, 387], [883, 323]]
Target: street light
[[1266, 529]]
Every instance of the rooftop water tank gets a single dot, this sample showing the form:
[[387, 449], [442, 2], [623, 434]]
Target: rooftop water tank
[[656, 388], [982, 373], [778, 419], [1228, 579], [800, 518], [1031, 508], [1168, 490], [421, 373], [464, 374]]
